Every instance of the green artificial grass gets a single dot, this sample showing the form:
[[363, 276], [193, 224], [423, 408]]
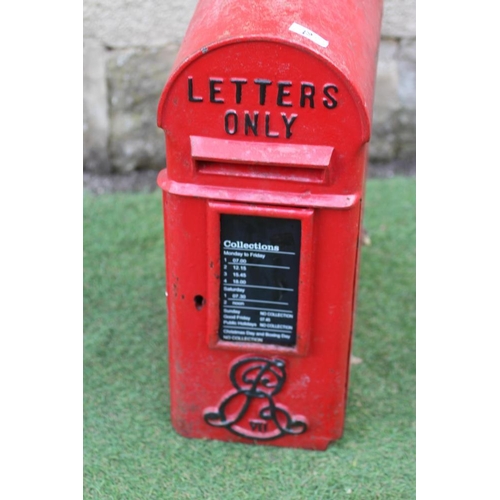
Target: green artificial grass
[[130, 449]]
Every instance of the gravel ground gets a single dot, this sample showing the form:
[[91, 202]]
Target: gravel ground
[[145, 180]]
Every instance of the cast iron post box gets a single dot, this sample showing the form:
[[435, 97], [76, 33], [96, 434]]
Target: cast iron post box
[[266, 118]]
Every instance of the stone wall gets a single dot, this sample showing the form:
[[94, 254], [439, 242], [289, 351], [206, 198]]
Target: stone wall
[[130, 45]]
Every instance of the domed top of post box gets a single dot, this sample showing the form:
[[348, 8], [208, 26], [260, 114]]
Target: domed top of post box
[[267, 93], [343, 33]]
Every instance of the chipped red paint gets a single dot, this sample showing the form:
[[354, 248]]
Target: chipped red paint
[[263, 122]]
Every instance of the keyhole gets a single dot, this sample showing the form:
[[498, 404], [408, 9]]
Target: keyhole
[[199, 301]]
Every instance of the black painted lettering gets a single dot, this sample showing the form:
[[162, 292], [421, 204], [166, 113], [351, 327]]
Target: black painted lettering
[[231, 122], [239, 82], [283, 92], [249, 124], [268, 127], [307, 91], [263, 87], [191, 96], [288, 123], [329, 100], [215, 90]]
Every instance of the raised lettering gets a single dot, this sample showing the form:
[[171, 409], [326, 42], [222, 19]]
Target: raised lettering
[[283, 92], [191, 96], [329, 101], [239, 82], [231, 128], [268, 131], [307, 91], [288, 123], [258, 426], [262, 91], [215, 90], [249, 124]]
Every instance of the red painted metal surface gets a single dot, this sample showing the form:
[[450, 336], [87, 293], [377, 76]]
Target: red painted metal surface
[[266, 118]]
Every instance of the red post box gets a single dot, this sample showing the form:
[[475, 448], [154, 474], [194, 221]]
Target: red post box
[[266, 118]]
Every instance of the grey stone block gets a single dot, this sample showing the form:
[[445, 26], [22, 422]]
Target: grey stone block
[[407, 98], [407, 73], [122, 87], [383, 144], [95, 111], [399, 19], [134, 23], [136, 78]]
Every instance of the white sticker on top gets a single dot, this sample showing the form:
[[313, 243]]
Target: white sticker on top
[[300, 30]]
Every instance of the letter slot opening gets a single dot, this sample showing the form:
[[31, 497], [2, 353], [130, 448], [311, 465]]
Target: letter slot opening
[[288, 162]]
